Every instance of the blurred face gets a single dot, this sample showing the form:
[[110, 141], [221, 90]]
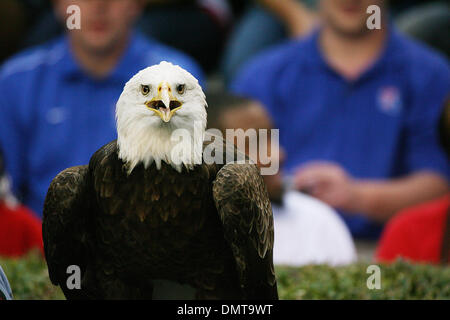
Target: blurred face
[[274, 183], [348, 17], [104, 23], [254, 116]]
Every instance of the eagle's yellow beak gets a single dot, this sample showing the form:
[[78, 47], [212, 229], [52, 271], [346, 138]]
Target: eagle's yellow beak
[[164, 104]]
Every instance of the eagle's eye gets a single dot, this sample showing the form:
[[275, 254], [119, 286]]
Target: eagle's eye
[[181, 88], [145, 89]]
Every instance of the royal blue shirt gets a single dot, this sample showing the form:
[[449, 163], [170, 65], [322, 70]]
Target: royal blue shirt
[[381, 125], [54, 115]]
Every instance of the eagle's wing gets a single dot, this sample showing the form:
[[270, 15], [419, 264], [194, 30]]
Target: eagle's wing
[[244, 207], [65, 227]]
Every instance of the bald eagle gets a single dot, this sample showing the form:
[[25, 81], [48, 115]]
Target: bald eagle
[[141, 221]]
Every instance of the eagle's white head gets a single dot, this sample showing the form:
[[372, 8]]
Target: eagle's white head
[[155, 103]]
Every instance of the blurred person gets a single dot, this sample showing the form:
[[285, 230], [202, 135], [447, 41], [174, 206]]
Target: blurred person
[[270, 22], [195, 27], [421, 233], [357, 112], [265, 23], [20, 229], [306, 230], [57, 100]]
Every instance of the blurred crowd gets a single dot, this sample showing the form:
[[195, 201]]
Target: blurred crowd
[[363, 114]]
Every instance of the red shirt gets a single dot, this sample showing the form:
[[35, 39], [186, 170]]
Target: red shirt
[[416, 233], [20, 231]]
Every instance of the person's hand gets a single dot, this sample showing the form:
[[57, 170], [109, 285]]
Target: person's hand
[[297, 18], [301, 23], [328, 182]]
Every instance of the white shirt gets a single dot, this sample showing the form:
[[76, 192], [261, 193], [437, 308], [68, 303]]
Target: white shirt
[[307, 231]]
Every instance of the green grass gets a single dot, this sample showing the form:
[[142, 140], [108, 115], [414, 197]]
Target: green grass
[[29, 280], [399, 281]]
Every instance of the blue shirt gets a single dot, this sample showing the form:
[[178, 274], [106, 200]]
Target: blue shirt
[[54, 115], [381, 125]]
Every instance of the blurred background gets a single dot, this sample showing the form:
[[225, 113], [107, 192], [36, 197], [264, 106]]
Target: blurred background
[[363, 114]]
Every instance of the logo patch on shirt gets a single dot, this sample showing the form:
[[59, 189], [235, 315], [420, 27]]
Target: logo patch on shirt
[[56, 115], [389, 100]]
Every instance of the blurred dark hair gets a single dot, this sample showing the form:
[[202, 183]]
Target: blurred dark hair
[[221, 101]]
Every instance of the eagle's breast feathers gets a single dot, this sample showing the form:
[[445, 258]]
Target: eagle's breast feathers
[[209, 227]]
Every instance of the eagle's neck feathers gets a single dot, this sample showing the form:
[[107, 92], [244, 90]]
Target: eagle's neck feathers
[[163, 143]]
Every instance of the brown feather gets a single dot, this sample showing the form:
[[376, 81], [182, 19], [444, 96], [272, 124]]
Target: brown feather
[[210, 228]]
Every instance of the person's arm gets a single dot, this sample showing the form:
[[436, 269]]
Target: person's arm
[[378, 200], [298, 19], [381, 200], [421, 158]]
